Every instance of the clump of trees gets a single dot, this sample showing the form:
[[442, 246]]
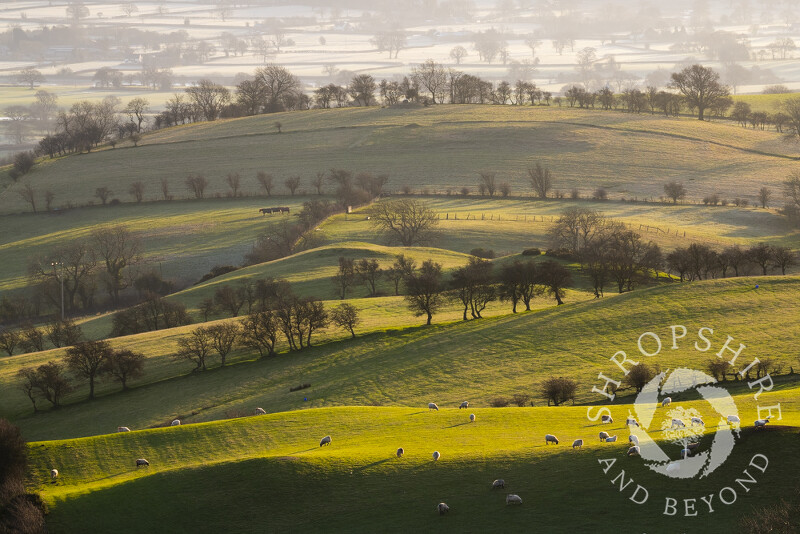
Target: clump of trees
[[19, 511], [558, 390], [700, 262]]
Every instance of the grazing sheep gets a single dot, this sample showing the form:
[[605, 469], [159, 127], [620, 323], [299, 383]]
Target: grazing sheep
[[666, 402], [577, 444], [499, 483], [685, 453], [472, 418], [631, 421], [607, 419], [176, 422], [142, 462], [260, 411], [633, 439], [611, 439], [634, 451], [513, 499], [432, 406], [697, 421], [325, 441], [550, 438], [464, 404], [54, 474], [436, 455], [443, 508], [400, 452], [678, 423], [123, 429], [603, 436], [761, 423], [733, 420]]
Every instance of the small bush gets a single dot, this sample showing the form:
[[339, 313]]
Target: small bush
[[216, 271], [521, 399], [406, 189], [464, 191], [499, 402], [532, 252], [600, 194], [114, 202], [299, 387], [574, 194], [482, 253], [561, 254]]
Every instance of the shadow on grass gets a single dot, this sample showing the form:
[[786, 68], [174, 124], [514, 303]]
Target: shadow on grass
[[307, 450], [459, 424], [373, 464]]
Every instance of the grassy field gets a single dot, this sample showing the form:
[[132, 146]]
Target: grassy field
[[181, 239], [439, 147], [269, 470], [477, 360], [769, 103]]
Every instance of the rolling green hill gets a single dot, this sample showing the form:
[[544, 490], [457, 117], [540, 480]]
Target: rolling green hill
[[632, 155], [478, 360], [268, 472]]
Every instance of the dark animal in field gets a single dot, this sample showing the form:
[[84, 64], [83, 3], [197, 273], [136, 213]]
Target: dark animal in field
[[280, 209], [142, 462]]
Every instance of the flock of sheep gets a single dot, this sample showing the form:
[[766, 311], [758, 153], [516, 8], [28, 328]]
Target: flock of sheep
[[511, 498]]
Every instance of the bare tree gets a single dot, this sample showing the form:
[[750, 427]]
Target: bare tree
[[196, 184], [195, 347], [764, 196], [266, 182], [260, 331], [137, 110], [541, 179], [279, 84], [424, 290], [28, 194], [487, 182], [639, 376], [86, 360], [345, 277], [700, 87], [103, 193], [30, 76], [137, 191], [558, 390], [555, 278], [319, 180], [52, 382], [405, 221], [675, 190], [233, 181], [223, 338], [209, 97], [124, 365], [783, 258], [118, 248], [346, 316], [292, 183], [369, 272], [9, 339], [432, 77], [165, 189], [458, 53]]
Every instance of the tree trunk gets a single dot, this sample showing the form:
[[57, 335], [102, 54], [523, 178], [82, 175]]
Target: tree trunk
[[430, 316]]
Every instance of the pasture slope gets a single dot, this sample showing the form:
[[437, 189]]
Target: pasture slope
[[436, 148], [268, 473], [478, 360]]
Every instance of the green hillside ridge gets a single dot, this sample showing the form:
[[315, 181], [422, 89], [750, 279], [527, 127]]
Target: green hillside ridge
[[478, 360], [257, 469], [436, 147]]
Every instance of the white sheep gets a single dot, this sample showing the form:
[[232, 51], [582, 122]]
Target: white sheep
[[697, 421], [260, 411], [141, 462], [54, 474], [631, 421], [472, 418], [603, 436], [513, 499], [577, 444], [633, 439], [678, 423], [734, 420], [634, 451], [550, 438], [499, 483], [325, 441], [611, 439], [761, 423], [607, 419], [464, 404], [666, 402], [400, 452], [123, 429], [443, 508], [436, 455], [176, 422], [432, 406]]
